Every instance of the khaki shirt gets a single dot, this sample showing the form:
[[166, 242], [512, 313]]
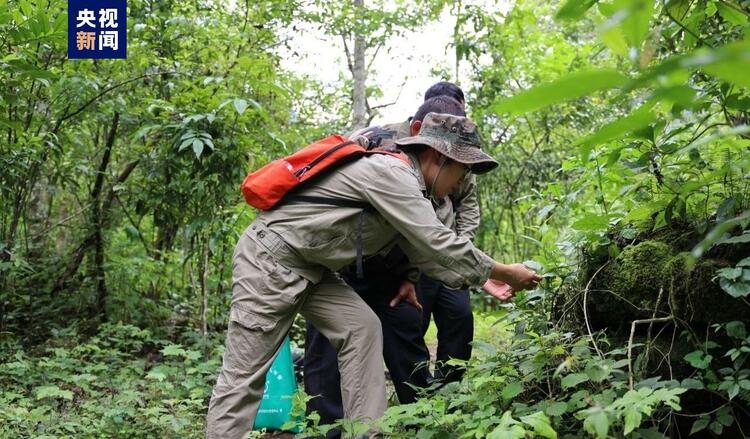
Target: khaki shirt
[[459, 211], [310, 238]]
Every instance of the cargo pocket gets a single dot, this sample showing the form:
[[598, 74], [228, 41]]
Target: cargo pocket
[[252, 321]]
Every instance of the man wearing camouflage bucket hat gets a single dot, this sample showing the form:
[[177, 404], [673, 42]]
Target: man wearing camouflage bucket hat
[[404, 298], [456, 138], [285, 262]]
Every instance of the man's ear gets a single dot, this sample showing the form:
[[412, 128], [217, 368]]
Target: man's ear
[[415, 127]]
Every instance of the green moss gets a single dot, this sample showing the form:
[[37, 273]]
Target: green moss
[[638, 272], [695, 296], [678, 275], [628, 286]]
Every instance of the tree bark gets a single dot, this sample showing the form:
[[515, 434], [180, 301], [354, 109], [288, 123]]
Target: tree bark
[[204, 290], [94, 237], [359, 74]]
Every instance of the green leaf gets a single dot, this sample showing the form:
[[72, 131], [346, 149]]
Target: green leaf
[[591, 222], [574, 9], [185, 143], [636, 120], [53, 392], [678, 8], [731, 273], [568, 87], [597, 423], [541, 424], [633, 419], [731, 15], [156, 375], [507, 429], [240, 105], [637, 25], [740, 239], [597, 372], [717, 233], [197, 147], [556, 408], [173, 350], [700, 424], [730, 63], [698, 359], [574, 379], [735, 288], [512, 390], [425, 433]]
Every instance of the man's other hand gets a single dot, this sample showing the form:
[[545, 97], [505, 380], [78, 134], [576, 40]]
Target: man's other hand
[[498, 289], [406, 292]]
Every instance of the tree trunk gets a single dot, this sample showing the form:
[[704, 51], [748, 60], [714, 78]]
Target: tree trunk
[[204, 290], [94, 238], [359, 74]]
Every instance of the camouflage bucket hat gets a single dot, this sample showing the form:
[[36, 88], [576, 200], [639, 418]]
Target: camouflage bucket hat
[[455, 137]]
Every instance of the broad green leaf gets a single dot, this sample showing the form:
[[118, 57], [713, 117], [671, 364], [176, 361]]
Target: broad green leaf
[[614, 38], [173, 350], [736, 329], [698, 359], [591, 222], [735, 288], [512, 390], [425, 433], [731, 273], [680, 94], [597, 423], [197, 147], [574, 379], [53, 392], [568, 87], [678, 8], [637, 25], [634, 121], [737, 102], [730, 63], [633, 419], [597, 372], [700, 424], [717, 233], [186, 143], [556, 408], [731, 14], [156, 375], [508, 428], [541, 424], [574, 9], [240, 105]]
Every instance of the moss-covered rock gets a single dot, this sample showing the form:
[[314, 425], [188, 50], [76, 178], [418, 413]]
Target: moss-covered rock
[[629, 284], [639, 271]]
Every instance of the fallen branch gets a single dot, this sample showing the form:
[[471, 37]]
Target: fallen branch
[[630, 342], [585, 310]]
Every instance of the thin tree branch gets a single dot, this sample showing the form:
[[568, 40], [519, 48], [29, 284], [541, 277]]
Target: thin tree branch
[[67, 116]]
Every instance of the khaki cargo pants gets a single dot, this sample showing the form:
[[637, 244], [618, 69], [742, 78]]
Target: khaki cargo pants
[[266, 298]]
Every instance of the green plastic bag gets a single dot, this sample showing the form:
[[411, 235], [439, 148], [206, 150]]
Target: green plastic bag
[[281, 385]]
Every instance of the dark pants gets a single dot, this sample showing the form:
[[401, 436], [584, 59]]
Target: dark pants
[[451, 310], [404, 350]]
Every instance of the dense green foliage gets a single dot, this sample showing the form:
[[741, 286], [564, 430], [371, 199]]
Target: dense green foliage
[[623, 129]]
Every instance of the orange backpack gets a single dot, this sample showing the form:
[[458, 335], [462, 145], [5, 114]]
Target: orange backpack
[[268, 185]]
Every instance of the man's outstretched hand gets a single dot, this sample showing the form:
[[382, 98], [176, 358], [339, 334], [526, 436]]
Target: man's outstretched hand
[[406, 292], [517, 276], [498, 289]]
